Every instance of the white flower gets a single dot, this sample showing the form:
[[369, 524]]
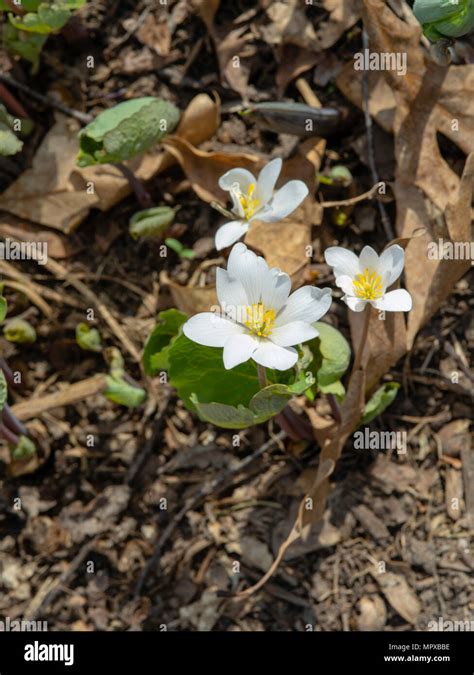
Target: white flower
[[366, 279], [259, 319], [254, 200]]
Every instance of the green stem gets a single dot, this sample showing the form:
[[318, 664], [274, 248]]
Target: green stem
[[363, 339], [262, 376]]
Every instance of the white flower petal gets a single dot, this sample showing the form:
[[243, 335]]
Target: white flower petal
[[395, 301], [210, 330], [240, 176], [266, 181], [391, 264], [238, 349], [286, 200], [343, 262], [368, 259], [346, 284], [276, 288], [230, 293], [293, 333], [272, 356], [307, 304], [249, 269], [237, 208], [229, 233], [356, 304]]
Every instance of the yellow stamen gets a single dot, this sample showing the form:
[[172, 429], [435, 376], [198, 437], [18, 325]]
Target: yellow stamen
[[368, 285], [260, 320], [249, 204]]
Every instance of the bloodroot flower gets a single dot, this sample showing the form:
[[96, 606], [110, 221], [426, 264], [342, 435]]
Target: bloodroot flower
[[366, 279], [258, 318], [253, 199]]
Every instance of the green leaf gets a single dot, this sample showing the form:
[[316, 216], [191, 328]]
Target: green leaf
[[47, 19], [9, 143], [151, 222], [332, 354], [121, 392], [336, 388], [380, 400], [26, 45], [88, 338], [445, 18], [155, 355], [3, 390], [178, 248], [3, 308], [267, 403], [194, 369], [19, 331], [24, 450], [126, 130]]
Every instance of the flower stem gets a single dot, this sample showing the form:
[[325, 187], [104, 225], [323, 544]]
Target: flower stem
[[363, 339], [141, 193], [262, 376]]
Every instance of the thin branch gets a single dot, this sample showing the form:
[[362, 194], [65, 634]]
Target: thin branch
[[84, 118]]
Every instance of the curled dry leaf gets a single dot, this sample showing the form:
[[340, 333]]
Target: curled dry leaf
[[416, 107], [342, 16], [58, 245], [288, 25], [203, 169], [190, 299], [400, 595], [56, 193], [372, 613]]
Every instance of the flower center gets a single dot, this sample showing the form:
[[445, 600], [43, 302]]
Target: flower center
[[249, 204], [368, 285], [260, 320]]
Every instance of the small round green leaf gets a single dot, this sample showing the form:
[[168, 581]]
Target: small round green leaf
[[121, 392], [88, 338], [381, 399], [19, 331], [151, 222]]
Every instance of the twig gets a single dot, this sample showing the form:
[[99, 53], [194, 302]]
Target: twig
[[452, 352], [214, 486], [73, 393], [84, 118], [141, 193], [139, 22], [64, 577], [12, 104], [353, 200], [370, 142], [149, 445]]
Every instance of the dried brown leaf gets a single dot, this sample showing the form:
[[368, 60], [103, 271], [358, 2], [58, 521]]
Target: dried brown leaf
[[54, 191]]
